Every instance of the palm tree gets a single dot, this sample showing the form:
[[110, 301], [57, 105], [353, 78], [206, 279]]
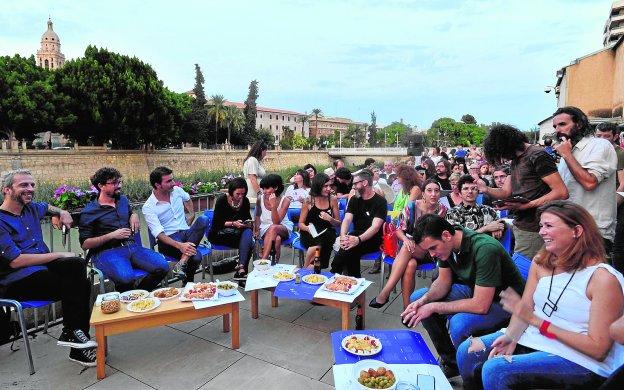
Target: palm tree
[[316, 112], [303, 119], [217, 112], [234, 118]]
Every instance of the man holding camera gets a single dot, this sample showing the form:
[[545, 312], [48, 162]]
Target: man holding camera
[[168, 212]]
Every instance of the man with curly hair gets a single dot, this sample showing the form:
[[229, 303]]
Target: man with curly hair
[[107, 229], [588, 168], [533, 177]]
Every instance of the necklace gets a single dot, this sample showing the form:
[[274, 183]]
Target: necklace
[[236, 205], [549, 306]]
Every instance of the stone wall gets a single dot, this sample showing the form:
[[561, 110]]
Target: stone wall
[[71, 165]]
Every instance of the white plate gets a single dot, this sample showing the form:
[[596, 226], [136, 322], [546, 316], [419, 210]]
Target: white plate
[[364, 365], [362, 353], [189, 286], [165, 288], [317, 283], [292, 277], [123, 297], [351, 290], [131, 308]]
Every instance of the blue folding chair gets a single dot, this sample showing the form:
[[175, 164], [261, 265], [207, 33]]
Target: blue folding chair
[[523, 263], [293, 215], [506, 239], [19, 308], [203, 250], [222, 248]]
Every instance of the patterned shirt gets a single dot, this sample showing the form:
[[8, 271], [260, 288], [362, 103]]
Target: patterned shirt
[[471, 217]]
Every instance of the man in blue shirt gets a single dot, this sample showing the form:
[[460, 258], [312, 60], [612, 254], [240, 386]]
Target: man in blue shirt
[[107, 229], [29, 271]]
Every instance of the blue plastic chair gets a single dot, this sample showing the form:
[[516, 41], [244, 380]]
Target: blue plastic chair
[[19, 308], [523, 263], [479, 199], [222, 248], [203, 250], [293, 215]]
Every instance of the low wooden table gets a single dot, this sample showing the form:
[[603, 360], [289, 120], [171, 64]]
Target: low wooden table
[[344, 307], [168, 312]]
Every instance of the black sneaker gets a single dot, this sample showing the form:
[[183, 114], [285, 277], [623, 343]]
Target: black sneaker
[[75, 339], [86, 357]]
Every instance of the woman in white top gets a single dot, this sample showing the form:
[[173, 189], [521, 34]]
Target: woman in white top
[[271, 223], [300, 189], [559, 331], [253, 171]]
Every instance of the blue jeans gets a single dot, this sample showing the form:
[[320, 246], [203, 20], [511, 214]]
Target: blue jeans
[[118, 264], [245, 248], [528, 369], [193, 234], [460, 325]]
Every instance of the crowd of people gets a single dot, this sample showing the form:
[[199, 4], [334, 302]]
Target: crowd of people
[[559, 326]]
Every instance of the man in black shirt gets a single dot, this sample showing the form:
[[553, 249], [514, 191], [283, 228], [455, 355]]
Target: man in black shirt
[[343, 182], [367, 210], [443, 170]]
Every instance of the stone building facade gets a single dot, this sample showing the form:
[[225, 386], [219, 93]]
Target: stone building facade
[[49, 56]]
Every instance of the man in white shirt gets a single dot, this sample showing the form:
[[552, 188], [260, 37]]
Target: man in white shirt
[[588, 168], [169, 212]]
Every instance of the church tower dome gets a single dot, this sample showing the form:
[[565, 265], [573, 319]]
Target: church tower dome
[[49, 56]]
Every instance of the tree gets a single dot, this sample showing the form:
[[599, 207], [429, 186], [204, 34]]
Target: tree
[[115, 98], [446, 131], [299, 141], [287, 137], [234, 118], [250, 108], [372, 130], [29, 101], [356, 135], [303, 119], [468, 119], [266, 136], [198, 89], [316, 112], [217, 113], [390, 133]]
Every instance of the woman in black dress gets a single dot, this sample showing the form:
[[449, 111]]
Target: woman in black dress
[[231, 224], [321, 210]]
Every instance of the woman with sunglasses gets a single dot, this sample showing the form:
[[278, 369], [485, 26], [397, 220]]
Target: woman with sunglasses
[[559, 331], [320, 210]]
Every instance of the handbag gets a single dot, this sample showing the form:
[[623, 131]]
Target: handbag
[[390, 243]]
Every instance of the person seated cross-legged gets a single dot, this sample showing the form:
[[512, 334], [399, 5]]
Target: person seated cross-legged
[[29, 271], [271, 222]]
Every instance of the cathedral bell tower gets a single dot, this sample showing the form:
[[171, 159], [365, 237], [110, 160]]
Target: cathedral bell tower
[[50, 56]]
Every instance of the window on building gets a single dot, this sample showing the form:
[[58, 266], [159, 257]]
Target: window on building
[[260, 126], [270, 127], [270, 116], [283, 117], [47, 64]]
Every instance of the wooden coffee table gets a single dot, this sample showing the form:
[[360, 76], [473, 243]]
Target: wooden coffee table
[[168, 312]]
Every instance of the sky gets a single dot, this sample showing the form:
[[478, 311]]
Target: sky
[[410, 60]]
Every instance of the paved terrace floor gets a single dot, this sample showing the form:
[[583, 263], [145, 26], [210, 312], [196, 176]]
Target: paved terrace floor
[[287, 347]]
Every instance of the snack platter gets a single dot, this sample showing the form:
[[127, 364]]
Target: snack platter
[[361, 344], [314, 279], [166, 293], [199, 292], [284, 276], [342, 284], [143, 305], [133, 295]]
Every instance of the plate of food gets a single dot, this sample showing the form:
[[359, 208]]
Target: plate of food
[[166, 293], [226, 289], [314, 279], [143, 305], [262, 265], [199, 292], [341, 284], [133, 295], [361, 344], [284, 276], [374, 374]]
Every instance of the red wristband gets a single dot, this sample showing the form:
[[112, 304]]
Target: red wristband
[[543, 329]]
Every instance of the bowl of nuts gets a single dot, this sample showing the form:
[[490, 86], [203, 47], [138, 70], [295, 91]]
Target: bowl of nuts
[[110, 304]]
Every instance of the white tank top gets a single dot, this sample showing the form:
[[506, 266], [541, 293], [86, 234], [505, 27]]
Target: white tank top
[[572, 315], [265, 217]]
